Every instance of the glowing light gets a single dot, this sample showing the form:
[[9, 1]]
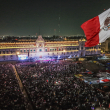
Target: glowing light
[[22, 57], [17, 53], [70, 56], [58, 56]]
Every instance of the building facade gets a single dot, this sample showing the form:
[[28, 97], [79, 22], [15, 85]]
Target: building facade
[[105, 46], [40, 48]]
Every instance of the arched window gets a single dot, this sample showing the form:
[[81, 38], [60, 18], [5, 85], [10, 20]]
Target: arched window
[[46, 50], [3, 52], [40, 50], [40, 45]]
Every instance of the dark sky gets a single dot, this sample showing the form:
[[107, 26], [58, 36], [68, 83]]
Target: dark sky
[[26, 17]]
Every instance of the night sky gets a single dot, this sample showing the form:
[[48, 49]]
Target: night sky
[[28, 17]]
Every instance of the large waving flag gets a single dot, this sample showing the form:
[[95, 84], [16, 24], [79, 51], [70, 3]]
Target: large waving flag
[[97, 29]]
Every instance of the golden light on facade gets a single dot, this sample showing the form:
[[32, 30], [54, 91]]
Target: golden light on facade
[[49, 48], [65, 38], [102, 51], [17, 53]]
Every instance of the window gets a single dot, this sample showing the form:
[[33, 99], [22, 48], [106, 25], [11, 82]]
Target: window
[[81, 48], [46, 50], [55, 49], [7, 52], [40, 45], [20, 51], [0, 52], [4, 57], [40, 50], [34, 50], [30, 50], [3, 52], [24, 50], [59, 49], [11, 55]]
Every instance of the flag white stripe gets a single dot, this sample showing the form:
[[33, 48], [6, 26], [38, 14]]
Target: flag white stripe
[[103, 35]]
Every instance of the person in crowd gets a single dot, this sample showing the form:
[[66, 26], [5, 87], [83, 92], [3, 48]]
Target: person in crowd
[[53, 86]]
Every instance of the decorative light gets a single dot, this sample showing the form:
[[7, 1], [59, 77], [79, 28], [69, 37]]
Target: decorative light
[[18, 53]]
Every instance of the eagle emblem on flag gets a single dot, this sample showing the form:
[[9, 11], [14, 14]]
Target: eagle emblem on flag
[[107, 24]]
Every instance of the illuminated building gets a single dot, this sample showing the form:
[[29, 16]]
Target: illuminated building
[[105, 46], [40, 48]]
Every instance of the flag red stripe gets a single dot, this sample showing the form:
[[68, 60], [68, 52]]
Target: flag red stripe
[[91, 29]]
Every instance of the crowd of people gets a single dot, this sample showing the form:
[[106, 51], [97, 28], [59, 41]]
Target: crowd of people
[[53, 86], [49, 86], [11, 97]]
